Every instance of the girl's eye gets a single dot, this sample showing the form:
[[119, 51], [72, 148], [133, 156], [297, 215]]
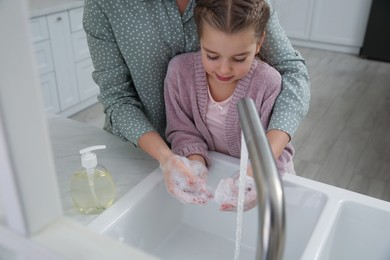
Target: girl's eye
[[212, 58], [240, 60]]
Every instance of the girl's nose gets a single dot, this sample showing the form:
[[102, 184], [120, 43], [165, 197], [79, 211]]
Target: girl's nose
[[225, 67]]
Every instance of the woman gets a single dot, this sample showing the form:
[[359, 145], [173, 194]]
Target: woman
[[131, 43]]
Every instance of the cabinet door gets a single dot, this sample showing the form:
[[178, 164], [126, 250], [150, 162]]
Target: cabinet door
[[295, 17], [39, 30], [80, 46], [61, 43], [50, 94], [76, 19], [43, 57], [341, 22], [87, 86]]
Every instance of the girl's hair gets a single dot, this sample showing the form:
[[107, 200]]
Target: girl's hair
[[231, 16]]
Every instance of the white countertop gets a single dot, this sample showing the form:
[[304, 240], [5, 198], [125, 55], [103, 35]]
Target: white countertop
[[44, 7], [367, 217], [127, 164]]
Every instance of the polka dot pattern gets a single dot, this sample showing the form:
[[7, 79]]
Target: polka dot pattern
[[131, 43]]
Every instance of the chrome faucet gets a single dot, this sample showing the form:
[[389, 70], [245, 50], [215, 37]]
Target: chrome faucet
[[270, 197]]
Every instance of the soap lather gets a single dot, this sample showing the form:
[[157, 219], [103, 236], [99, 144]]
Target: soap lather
[[92, 186]]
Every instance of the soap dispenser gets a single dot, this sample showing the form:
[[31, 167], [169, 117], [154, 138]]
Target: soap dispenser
[[92, 187]]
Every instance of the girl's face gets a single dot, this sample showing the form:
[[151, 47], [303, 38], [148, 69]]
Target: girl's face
[[227, 58]]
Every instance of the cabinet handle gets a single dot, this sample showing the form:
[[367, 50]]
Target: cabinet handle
[[59, 19]]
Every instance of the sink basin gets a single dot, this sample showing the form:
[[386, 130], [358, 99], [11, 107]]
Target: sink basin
[[359, 232], [149, 218]]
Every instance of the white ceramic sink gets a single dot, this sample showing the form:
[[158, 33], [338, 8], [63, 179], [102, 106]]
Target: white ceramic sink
[[147, 217], [323, 222], [359, 232]]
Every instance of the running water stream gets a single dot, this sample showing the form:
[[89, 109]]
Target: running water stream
[[241, 195]]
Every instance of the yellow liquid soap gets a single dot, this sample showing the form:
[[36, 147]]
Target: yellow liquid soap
[[92, 193]]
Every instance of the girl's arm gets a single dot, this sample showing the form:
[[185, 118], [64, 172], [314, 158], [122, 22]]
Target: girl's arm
[[185, 138]]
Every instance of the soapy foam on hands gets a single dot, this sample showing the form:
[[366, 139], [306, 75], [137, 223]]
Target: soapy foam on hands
[[227, 190], [196, 192]]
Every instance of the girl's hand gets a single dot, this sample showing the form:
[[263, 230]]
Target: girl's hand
[[186, 180], [226, 193]]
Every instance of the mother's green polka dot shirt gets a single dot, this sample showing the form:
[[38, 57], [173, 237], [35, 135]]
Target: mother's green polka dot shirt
[[131, 43]]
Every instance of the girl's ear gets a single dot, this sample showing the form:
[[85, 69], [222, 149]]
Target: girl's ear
[[259, 43]]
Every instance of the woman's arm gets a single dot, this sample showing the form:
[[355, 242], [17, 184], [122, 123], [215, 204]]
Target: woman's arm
[[278, 140], [123, 109], [155, 146], [293, 102]]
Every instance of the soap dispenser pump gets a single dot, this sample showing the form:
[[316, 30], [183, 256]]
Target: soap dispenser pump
[[92, 187]]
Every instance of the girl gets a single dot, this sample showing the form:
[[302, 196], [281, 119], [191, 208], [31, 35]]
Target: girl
[[202, 88]]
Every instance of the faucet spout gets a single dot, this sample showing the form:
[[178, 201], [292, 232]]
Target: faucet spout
[[270, 195]]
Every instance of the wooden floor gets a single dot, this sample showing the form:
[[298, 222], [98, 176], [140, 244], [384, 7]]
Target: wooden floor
[[345, 138]]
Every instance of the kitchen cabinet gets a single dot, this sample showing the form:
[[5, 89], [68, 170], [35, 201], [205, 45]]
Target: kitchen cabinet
[[50, 94], [60, 39], [45, 66], [325, 24], [295, 17], [64, 63]]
